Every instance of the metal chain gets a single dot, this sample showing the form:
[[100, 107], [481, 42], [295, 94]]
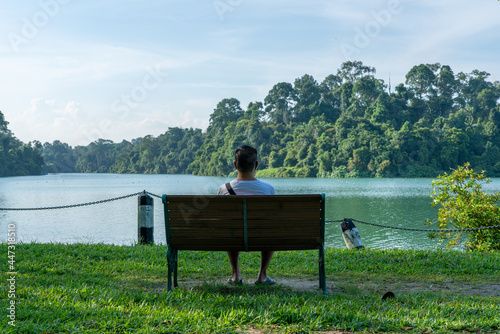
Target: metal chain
[[154, 195], [72, 205], [327, 221], [417, 229], [82, 204]]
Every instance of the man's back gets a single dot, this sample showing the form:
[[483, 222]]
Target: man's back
[[253, 187]]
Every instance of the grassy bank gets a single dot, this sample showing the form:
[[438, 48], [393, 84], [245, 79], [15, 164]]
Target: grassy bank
[[122, 289]]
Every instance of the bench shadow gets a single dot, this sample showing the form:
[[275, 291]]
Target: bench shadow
[[249, 289], [245, 289]]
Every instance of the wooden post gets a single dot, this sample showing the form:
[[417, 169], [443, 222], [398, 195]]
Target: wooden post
[[145, 218], [351, 234]]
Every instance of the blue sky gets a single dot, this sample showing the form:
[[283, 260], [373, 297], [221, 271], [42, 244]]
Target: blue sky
[[77, 71]]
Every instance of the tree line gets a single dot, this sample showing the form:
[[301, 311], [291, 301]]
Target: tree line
[[17, 158], [351, 124]]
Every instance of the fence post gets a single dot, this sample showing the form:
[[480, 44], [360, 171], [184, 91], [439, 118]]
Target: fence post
[[145, 218]]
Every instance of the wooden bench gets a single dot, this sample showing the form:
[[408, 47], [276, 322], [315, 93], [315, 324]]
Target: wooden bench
[[244, 223]]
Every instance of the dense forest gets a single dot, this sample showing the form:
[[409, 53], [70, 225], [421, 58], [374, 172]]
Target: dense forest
[[17, 158], [352, 124]]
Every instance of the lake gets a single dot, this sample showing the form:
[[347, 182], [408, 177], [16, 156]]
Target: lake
[[394, 202]]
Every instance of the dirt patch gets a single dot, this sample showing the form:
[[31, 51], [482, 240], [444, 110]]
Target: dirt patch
[[457, 288], [462, 289], [351, 288], [398, 288]]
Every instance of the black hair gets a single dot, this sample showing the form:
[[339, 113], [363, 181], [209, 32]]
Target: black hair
[[245, 158]]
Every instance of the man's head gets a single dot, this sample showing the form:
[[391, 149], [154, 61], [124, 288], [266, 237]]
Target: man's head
[[245, 158]]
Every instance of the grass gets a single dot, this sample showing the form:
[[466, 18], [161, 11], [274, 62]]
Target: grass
[[81, 288]]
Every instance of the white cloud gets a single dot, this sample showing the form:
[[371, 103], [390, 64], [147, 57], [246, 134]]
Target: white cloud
[[73, 109], [48, 120], [38, 109]]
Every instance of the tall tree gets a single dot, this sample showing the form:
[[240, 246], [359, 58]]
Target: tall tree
[[446, 90], [226, 112], [308, 95], [420, 80], [352, 71], [3, 125], [279, 103]]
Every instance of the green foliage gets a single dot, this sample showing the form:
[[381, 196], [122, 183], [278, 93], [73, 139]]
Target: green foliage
[[169, 153], [17, 158], [58, 157], [349, 125], [463, 204]]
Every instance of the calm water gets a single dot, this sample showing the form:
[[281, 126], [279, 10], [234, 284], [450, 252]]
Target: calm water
[[395, 202]]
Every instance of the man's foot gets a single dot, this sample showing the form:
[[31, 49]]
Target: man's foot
[[230, 280], [267, 281]]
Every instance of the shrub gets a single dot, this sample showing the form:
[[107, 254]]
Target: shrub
[[464, 204]]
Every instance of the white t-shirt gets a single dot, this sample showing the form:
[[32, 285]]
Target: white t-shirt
[[255, 187]]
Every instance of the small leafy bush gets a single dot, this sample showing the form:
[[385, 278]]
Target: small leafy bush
[[463, 204]]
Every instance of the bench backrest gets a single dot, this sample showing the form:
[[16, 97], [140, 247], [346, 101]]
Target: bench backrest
[[245, 223]]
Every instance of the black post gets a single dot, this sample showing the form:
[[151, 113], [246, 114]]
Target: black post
[[145, 218]]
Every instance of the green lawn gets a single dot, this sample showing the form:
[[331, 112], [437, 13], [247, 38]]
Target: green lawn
[[81, 288]]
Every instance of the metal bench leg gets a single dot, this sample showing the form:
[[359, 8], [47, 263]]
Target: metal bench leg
[[322, 276], [172, 267], [175, 269]]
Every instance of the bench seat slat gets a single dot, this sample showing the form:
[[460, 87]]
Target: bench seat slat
[[278, 206], [208, 244], [256, 233], [284, 198], [278, 215], [238, 216], [300, 223], [251, 214], [312, 241], [200, 202], [205, 233], [269, 215], [205, 224], [276, 247], [215, 206], [230, 203], [255, 216], [225, 244], [264, 198], [235, 215], [226, 210], [296, 233]]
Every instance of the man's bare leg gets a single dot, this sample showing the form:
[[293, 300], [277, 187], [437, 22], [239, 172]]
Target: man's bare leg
[[265, 259], [235, 267]]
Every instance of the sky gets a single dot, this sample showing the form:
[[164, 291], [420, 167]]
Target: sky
[[77, 71]]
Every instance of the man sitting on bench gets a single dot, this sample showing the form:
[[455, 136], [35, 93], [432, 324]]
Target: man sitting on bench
[[245, 162]]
